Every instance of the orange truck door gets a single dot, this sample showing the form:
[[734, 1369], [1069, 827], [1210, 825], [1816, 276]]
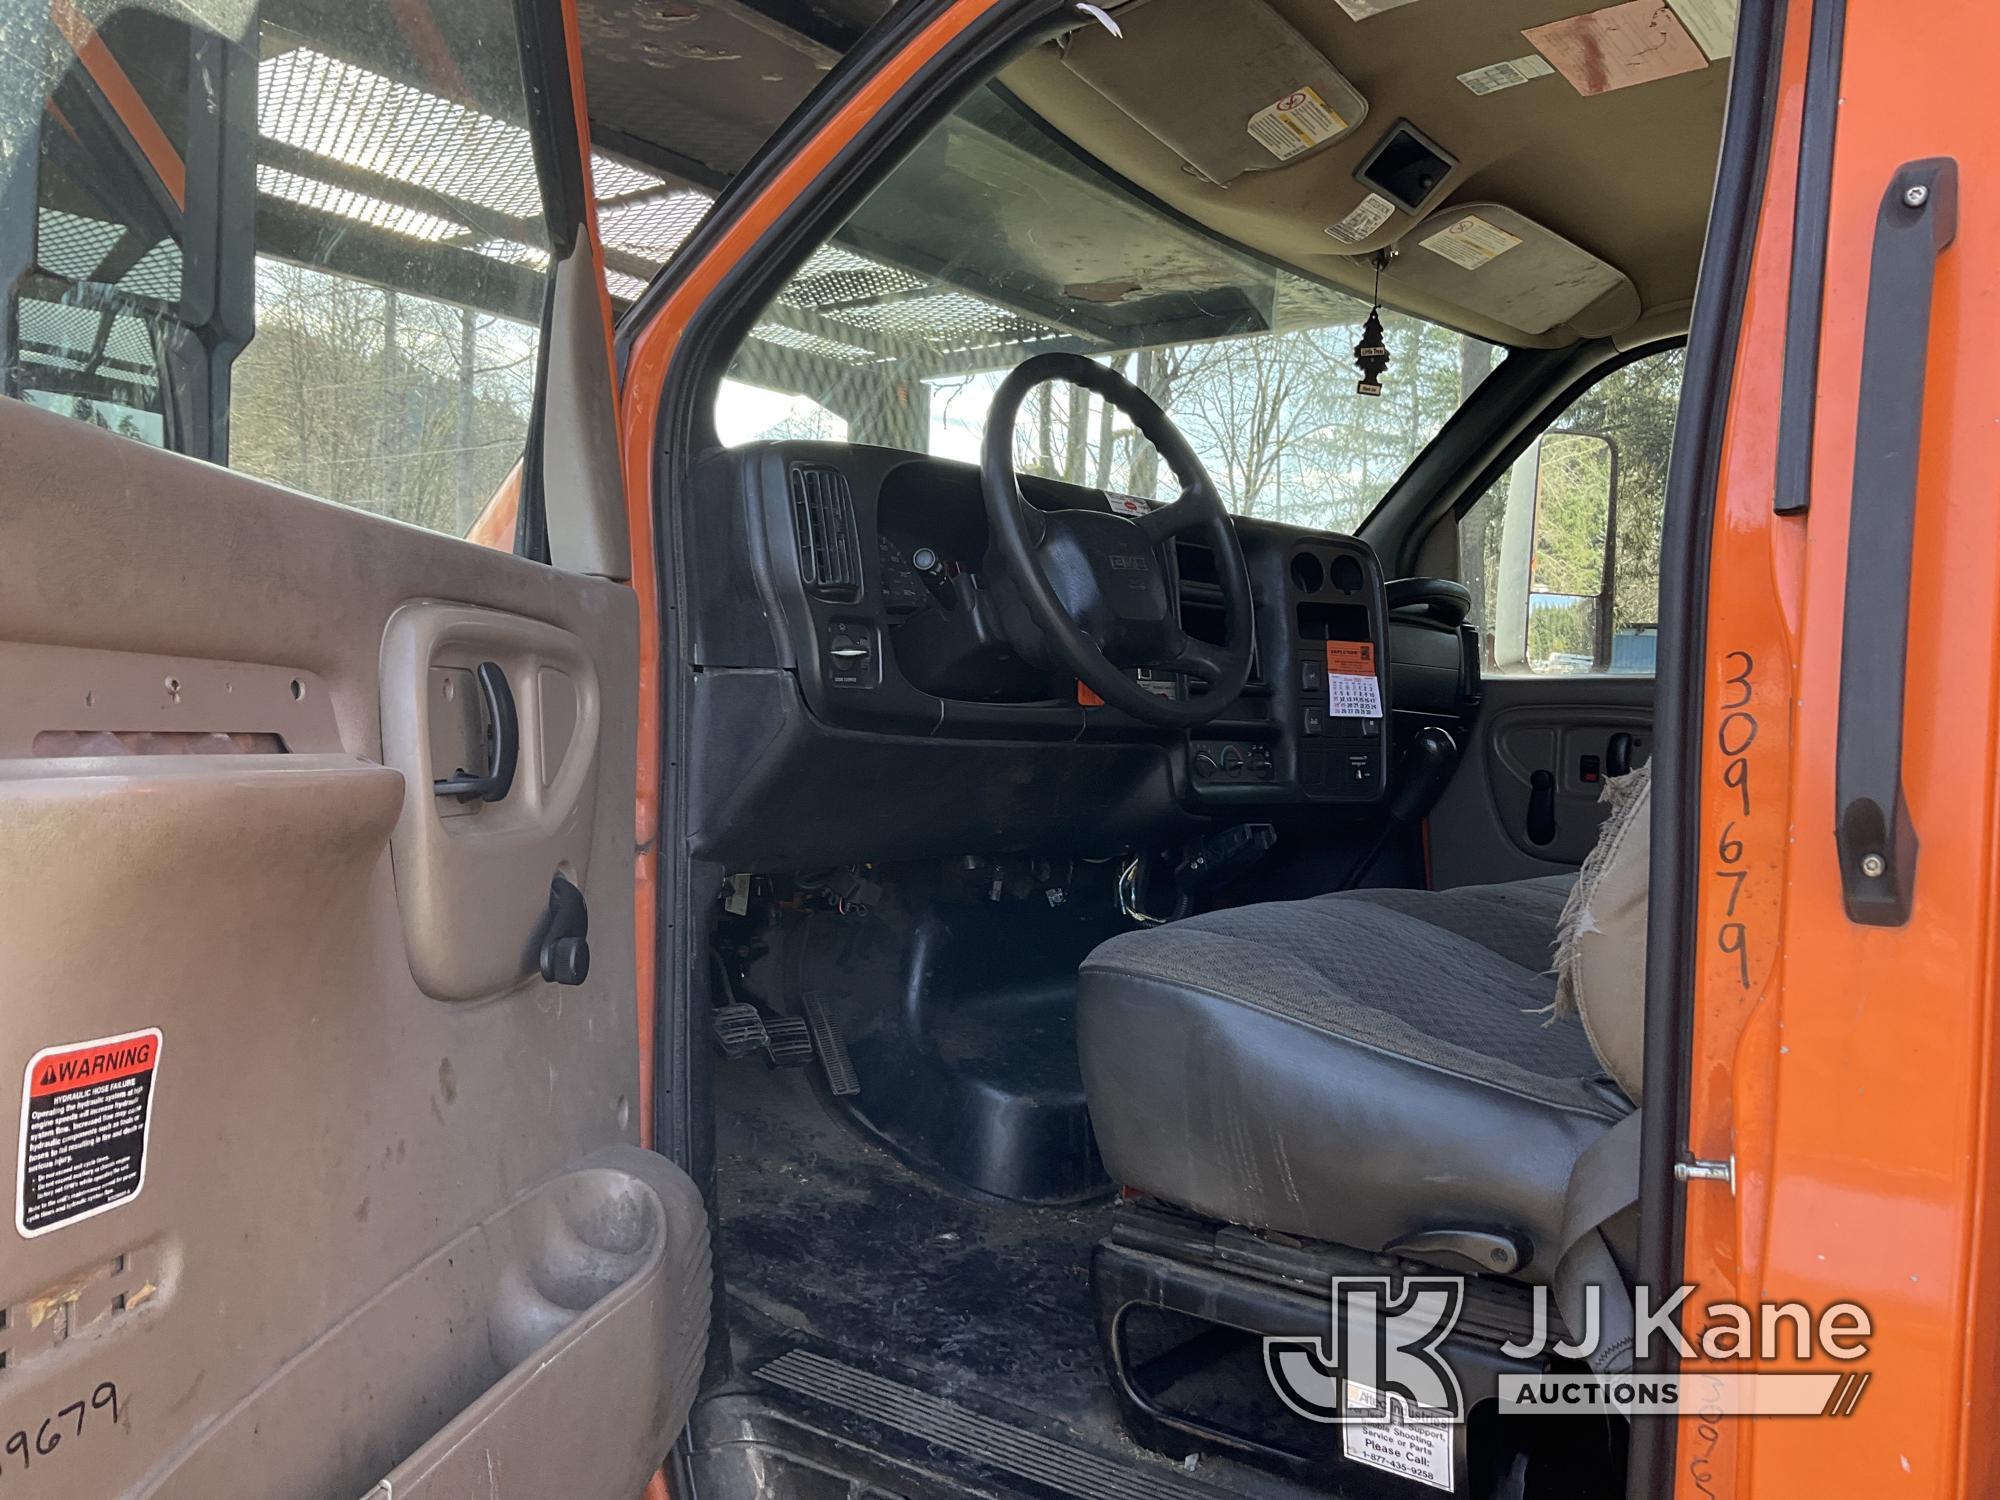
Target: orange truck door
[[316, 818], [1840, 728]]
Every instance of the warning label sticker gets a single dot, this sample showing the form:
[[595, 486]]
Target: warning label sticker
[[1361, 10], [1511, 74], [1415, 1450], [1368, 216], [1352, 691], [1297, 122], [85, 1110], [1470, 242], [1712, 24]]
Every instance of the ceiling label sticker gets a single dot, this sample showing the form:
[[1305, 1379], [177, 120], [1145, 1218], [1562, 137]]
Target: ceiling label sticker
[[1470, 242], [1298, 122], [86, 1108], [1369, 215], [1712, 24], [1616, 47], [1494, 77], [1361, 10], [1352, 689]]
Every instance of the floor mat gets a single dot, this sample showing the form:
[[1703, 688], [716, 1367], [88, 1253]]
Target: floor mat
[[825, 1233]]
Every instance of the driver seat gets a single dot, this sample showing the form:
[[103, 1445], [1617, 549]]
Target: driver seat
[[1382, 1069]]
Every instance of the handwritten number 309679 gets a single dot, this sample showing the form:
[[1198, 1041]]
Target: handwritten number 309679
[[1733, 737], [26, 1447]]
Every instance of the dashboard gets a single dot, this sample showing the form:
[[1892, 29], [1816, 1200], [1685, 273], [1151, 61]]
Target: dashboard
[[839, 664]]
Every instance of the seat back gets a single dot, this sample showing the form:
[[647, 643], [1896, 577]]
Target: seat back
[[1601, 938]]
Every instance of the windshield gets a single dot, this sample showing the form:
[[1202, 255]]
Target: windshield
[[998, 239]]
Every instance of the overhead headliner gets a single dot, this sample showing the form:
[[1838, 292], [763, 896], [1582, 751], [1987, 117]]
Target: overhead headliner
[[694, 85]]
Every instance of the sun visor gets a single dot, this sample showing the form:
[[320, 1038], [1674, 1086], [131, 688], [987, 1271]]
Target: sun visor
[[1229, 85], [1503, 266]]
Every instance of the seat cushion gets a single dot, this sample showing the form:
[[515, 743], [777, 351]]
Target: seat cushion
[[1358, 1068]]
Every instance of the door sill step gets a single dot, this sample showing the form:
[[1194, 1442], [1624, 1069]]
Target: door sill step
[[1044, 1461]]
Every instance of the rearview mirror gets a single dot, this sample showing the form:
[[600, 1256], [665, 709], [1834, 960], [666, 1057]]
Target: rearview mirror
[[1558, 556]]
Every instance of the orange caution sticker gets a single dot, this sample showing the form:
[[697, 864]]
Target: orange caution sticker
[[1351, 689], [1350, 658]]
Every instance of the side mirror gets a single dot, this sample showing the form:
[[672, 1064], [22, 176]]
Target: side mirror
[[126, 287], [1558, 556]]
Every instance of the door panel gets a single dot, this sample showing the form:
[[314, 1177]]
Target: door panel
[[371, 1228], [1480, 829]]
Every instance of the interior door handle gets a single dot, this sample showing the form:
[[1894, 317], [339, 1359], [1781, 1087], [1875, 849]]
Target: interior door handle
[[1917, 219], [1542, 808], [1618, 755], [503, 745]]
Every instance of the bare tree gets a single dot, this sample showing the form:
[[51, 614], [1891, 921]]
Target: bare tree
[[393, 403], [1106, 438], [1250, 403]]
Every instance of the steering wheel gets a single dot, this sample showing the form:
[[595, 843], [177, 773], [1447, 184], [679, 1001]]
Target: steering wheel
[[1098, 583]]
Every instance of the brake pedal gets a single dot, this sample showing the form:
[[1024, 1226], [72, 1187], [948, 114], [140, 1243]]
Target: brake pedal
[[788, 1042], [739, 1030], [833, 1059]]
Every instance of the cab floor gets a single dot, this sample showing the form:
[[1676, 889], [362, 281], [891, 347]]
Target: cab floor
[[824, 1232], [825, 1241]]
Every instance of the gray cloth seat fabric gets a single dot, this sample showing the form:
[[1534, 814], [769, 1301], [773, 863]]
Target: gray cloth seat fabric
[[1361, 1068]]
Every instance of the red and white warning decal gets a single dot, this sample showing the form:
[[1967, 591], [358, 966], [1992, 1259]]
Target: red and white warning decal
[[86, 1108]]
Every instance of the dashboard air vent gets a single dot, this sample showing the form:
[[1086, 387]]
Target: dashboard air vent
[[1198, 596], [823, 519]]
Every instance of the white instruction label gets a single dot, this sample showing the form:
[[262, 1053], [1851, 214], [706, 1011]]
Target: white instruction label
[[1361, 10], [1295, 123], [1470, 242], [1506, 75], [1712, 24], [1368, 216], [1419, 1451], [1352, 689]]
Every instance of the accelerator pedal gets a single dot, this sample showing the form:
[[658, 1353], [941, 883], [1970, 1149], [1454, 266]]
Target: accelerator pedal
[[788, 1041], [839, 1067], [739, 1030]]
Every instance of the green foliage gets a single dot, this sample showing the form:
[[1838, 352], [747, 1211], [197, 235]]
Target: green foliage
[[1562, 632]]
